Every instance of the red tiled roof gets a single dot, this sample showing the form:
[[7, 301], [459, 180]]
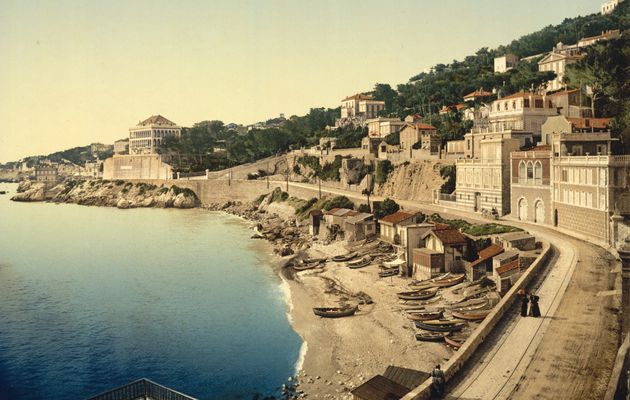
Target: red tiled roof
[[583, 123], [420, 125], [478, 93], [487, 253], [332, 211], [450, 236], [509, 267], [396, 217]]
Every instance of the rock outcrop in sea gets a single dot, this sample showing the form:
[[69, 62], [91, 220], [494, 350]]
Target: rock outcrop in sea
[[117, 193]]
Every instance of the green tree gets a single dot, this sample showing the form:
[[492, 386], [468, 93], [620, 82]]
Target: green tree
[[385, 207]]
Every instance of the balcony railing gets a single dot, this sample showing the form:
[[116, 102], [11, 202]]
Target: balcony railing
[[142, 389]]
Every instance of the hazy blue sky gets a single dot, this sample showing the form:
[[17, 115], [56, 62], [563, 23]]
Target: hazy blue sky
[[76, 72]]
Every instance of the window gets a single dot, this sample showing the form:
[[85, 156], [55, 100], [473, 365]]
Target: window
[[538, 173], [577, 150], [530, 171], [538, 103], [513, 105], [505, 105], [526, 103], [522, 172]]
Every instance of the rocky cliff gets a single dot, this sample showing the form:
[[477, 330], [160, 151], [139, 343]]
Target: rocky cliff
[[412, 181], [118, 193]]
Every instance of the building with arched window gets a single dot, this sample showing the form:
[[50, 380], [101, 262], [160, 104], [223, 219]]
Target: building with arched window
[[531, 195], [148, 135]]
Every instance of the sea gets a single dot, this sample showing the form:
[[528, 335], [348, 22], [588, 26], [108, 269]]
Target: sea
[[92, 298]]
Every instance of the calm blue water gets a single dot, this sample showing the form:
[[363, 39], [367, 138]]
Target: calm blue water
[[93, 298]]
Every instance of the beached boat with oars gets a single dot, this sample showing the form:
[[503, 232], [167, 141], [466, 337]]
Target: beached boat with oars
[[473, 307], [305, 266], [440, 325], [360, 263], [424, 315], [430, 336], [449, 281], [455, 339], [335, 312], [417, 294], [476, 315], [388, 272], [419, 305], [344, 257]]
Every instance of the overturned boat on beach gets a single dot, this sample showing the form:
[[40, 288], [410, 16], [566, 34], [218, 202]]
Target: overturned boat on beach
[[441, 325]]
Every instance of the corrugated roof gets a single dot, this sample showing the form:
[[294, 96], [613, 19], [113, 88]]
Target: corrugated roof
[[512, 265], [397, 217], [488, 253], [380, 388], [409, 378], [358, 218]]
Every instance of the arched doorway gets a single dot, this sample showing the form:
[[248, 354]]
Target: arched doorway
[[539, 212], [522, 209]]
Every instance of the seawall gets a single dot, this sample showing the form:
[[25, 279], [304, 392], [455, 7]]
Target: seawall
[[220, 190]]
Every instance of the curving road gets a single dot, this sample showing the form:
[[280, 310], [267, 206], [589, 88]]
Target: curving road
[[566, 354]]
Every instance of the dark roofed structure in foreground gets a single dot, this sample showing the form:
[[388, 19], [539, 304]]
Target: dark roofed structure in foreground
[[409, 378], [380, 388]]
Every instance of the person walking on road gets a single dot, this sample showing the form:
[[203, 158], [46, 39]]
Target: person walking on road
[[437, 385], [524, 301], [534, 310]]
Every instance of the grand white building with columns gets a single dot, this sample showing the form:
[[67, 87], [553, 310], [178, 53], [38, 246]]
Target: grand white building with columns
[[148, 135]]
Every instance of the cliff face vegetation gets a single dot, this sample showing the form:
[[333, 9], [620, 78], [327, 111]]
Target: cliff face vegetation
[[118, 193], [412, 181]]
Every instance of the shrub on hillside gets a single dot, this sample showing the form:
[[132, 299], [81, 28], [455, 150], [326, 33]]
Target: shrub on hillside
[[383, 169], [338, 202], [385, 207]]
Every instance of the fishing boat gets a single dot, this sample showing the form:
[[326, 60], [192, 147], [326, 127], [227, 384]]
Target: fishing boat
[[335, 312], [424, 315], [430, 336], [468, 303], [473, 307], [305, 266], [417, 295], [315, 260], [471, 315], [344, 257], [455, 339], [449, 281], [388, 272], [360, 263], [419, 305], [440, 325]]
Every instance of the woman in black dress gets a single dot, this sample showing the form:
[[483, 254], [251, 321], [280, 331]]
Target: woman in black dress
[[524, 301], [534, 310]]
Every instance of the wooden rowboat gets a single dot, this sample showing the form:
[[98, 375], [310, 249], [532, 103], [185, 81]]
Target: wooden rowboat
[[335, 312], [472, 316], [455, 340], [388, 272], [424, 316], [417, 295], [360, 263], [468, 303], [450, 281], [430, 336], [473, 307], [344, 257], [434, 327], [419, 305], [305, 266]]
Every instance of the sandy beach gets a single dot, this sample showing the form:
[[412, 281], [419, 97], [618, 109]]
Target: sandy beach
[[343, 353]]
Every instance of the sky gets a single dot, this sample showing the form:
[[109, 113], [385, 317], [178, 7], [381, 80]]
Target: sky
[[78, 72]]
